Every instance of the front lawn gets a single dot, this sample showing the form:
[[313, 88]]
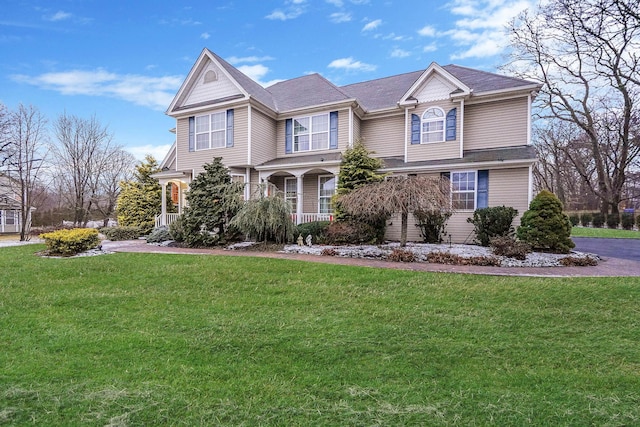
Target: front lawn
[[604, 232], [159, 339]]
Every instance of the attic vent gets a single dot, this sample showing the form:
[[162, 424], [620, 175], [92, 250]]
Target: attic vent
[[210, 76]]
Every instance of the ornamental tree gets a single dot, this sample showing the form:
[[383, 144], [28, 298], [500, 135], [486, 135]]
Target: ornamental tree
[[140, 199], [545, 226]]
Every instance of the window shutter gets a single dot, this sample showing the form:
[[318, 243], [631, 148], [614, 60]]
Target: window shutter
[[333, 129], [230, 127], [451, 125], [288, 138], [483, 189], [415, 129], [192, 133]]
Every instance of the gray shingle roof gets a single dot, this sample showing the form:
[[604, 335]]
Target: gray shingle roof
[[378, 94], [305, 91]]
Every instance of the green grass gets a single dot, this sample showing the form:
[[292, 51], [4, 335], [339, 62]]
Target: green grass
[[154, 339], [604, 233]]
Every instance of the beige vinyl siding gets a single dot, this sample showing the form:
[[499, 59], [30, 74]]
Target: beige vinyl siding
[[233, 156], [496, 124], [263, 138], [343, 135], [202, 92], [310, 194], [384, 136], [508, 187], [434, 150], [357, 129]]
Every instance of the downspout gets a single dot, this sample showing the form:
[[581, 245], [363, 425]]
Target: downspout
[[350, 127], [529, 119], [406, 140], [462, 128], [249, 112]]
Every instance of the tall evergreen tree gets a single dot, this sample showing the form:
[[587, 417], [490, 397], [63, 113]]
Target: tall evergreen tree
[[213, 199], [140, 200]]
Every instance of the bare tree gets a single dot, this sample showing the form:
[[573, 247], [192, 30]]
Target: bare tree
[[4, 134], [81, 158], [585, 53], [115, 166], [26, 147], [398, 194]]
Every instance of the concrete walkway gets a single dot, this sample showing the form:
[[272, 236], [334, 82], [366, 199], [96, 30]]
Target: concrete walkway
[[608, 267]]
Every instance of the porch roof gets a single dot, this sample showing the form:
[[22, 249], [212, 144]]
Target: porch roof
[[318, 159], [525, 154], [169, 174]]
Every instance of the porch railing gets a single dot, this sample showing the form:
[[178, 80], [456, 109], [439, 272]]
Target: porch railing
[[310, 217], [166, 219]]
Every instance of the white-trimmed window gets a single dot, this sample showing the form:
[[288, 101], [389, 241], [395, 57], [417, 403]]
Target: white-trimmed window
[[311, 133], [432, 125], [211, 131], [326, 190], [291, 192], [240, 179], [463, 190]]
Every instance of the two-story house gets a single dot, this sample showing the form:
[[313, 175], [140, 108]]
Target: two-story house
[[469, 125]]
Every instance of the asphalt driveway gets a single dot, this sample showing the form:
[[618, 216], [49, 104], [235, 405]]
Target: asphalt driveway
[[628, 249]]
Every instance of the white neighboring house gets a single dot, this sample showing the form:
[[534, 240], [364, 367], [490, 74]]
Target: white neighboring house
[[10, 206]]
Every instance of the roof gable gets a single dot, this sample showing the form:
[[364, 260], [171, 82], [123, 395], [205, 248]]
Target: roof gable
[[432, 84]]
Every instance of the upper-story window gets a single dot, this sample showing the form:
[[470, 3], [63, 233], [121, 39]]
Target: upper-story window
[[311, 133], [433, 125], [211, 131]]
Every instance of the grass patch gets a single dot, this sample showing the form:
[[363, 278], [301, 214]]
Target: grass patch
[[604, 233], [154, 339]]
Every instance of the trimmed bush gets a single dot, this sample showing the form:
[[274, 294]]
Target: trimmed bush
[[159, 235], [125, 232], [492, 222], [613, 220], [317, 230], [350, 233], [575, 219], [432, 225], [627, 220], [585, 219], [176, 230], [598, 220], [71, 242], [510, 247], [544, 226]]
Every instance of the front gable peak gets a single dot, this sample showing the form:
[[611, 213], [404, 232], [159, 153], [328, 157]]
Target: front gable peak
[[434, 84]]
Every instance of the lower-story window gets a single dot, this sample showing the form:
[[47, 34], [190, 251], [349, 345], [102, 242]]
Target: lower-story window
[[463, 190], [326, 189], [291, 193]]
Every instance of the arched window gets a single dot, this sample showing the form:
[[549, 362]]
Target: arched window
[[210, 76], [433, 125]]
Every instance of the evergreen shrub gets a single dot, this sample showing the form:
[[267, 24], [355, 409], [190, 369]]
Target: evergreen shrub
[[265, 219], [125, 232], [598, 220], [71, 242], [492, 222], [613, 220], [432, 225], [317, 230], [575, 219], [627, 220], [351, 233], [545, 226], [159, 235], [585, 219]]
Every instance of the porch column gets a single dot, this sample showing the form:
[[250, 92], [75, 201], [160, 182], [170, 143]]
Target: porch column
[[163, 210], [299, 199]]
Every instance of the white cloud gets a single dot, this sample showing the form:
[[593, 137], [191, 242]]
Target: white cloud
[[480, 31], [292, 9], [152, 92], [59, 16], [157, 151], [205, 36], [240, 59], [372, 25], [432, 47], [256, 73], [340, 17], [336, 3], [400, 53], [427, 31], [349, 64]]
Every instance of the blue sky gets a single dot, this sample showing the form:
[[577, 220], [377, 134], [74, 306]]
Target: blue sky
[[123, 61]]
